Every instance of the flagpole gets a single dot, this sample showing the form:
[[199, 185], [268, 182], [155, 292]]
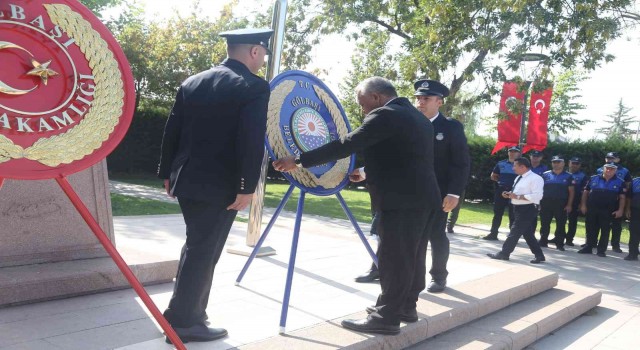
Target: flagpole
[[527, 57]]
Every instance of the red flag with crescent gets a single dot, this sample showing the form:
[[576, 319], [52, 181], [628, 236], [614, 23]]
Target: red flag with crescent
[[509, 128], [538, 120]]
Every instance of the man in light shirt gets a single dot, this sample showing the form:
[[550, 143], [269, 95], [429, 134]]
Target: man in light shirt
[[525, 198]]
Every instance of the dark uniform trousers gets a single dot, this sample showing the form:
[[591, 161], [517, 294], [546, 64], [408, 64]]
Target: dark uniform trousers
[[208, 225], [404, 243], [453, 215], [525, 218], [616, 231], [439, 248], [553, 208], [499, 204], [598, 221], [572, 220], [634, 232]]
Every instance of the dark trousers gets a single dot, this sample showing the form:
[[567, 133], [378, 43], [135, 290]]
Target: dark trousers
[[499, 205], [572, 226], [453, 215], [525, 218], [553, 209], [616, 231], [598, 221], [404, 240], [439, 248], [634, 233], [208, 225]]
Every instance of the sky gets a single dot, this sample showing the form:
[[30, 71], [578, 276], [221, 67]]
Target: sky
[[601, 92]]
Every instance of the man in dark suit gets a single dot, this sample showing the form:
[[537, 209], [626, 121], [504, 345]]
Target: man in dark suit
[[212, 151], [397, 143], [451, 163]]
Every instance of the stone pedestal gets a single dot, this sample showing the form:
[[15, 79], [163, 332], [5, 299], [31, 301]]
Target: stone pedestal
[[38, 223]]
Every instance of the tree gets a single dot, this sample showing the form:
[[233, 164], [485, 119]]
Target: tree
[[99, 5], [564, 103], [459, 41], [619, 122]]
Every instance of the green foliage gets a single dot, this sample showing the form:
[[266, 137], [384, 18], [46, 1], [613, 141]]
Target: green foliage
[[127, 206], [99, 5], [618, 124], [564, 103]]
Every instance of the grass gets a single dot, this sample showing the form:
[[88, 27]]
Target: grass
[[328, 206]]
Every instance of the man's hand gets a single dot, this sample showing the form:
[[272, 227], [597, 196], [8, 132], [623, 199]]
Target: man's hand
[[167, 187], [356, 175], [567, 209], [449, 202], [617, 214], [583, 209], [242, 200], [627, 213], [285, 164]]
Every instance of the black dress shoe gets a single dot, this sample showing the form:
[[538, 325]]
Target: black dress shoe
[[437, 286], [450, 229], [538, 260], [368, 276], [543, 244], [408, 316], [498, 256], [371, 325], [569, 243], [583, 245], [631, 258], [199, 332], [560, 248], [490, 237], [616, 250], [601, 254], [585, 250]]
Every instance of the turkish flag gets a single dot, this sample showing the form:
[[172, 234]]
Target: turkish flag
[[538, 120], [509, 129]]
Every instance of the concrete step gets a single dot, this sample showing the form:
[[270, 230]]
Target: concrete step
[[521, 324], [438, 313]]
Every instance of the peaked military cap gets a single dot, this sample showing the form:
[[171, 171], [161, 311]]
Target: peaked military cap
[[610, 165], [612, 155], [557, 159], [427, 87], [513, 149], [535, 153], [254, 36], [575, 160]]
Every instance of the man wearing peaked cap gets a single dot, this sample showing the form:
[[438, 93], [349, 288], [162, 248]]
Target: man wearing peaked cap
[[556, 202], [623, 174], [580, 179], [452, 164], [537, 167], [211, 157]]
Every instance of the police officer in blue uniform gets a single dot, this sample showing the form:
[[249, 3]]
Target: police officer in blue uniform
[[624, 174], [580, 179], [633, 214], [211, 156], [536, 162], [504, 175], [603, 200], [556, 202]]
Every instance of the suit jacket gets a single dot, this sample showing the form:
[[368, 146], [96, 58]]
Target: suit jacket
[[213, 142], [397, 142], [451, 155]]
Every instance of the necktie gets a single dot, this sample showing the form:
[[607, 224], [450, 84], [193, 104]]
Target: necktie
[[517, 180]]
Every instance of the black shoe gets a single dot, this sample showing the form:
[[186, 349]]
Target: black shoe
[[543, 244], [498, 256], [199, 332], [631, 258], [371, 325], [569, 243], [585, 250], [407, 316], [560, 248], [583, 245], [437, 286], [369, 276], [616, 250], [538, 260], [490, 237], [601, 254], [450, 229]]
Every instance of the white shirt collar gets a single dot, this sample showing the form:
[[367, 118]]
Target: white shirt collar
[[434, 118]]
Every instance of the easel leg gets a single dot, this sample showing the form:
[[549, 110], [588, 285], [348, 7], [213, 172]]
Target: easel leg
[[292, 263], [122, 265], [357, 227], [283, 202]]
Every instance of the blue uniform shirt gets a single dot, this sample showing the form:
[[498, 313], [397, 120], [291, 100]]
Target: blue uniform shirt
[[580, 180], [603, 194], [540, 169], [556, 186], [622, 173], [507, 176], [634, 193]]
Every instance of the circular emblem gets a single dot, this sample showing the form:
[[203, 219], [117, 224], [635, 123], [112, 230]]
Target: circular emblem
[[304, 115], [66, 90], [440, 136], [425, 84]]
